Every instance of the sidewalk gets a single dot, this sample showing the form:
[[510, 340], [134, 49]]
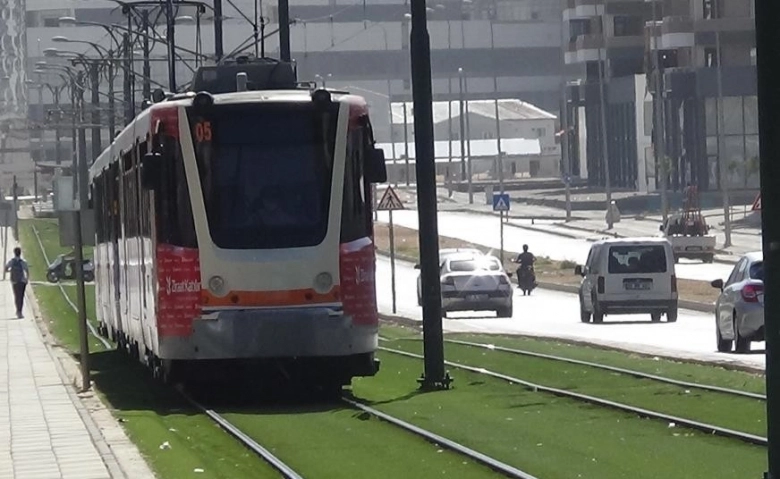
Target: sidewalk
[[46, 431]]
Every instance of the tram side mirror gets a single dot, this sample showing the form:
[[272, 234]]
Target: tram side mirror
[[578, 270], [375, 168], [717, 284], [661, 228], [150, 170]]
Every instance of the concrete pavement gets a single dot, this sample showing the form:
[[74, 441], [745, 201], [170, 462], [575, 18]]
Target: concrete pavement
[[46, 430]]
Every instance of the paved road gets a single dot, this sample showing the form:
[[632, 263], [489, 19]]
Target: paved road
[[554, 314], [484, 230]]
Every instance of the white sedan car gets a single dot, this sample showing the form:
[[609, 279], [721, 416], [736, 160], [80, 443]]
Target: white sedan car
[[475, 283], [443, 255], [739, 311]]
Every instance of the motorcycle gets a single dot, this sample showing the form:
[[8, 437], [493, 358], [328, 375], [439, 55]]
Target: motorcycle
[[526, 279], [63, 267]]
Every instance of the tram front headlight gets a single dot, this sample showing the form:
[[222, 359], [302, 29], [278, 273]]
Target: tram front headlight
[[217, 285]]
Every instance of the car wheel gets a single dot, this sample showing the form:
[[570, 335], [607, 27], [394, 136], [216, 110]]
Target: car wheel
[[741, 345], [655, 317], [671, 315], [709, 258], [505, 312], [584, 315], [598, 314], [724, 345]]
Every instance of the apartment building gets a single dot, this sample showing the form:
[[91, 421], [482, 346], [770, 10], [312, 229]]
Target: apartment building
[[626, 39]]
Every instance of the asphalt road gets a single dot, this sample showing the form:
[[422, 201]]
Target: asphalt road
[[553, 314]]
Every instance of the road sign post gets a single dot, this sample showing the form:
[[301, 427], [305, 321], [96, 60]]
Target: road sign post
[[501, 204], [390, 202]]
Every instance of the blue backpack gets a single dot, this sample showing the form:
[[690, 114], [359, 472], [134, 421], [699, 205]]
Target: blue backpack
[[17, 271]]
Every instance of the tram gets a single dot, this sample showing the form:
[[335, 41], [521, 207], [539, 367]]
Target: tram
[[236, 226]]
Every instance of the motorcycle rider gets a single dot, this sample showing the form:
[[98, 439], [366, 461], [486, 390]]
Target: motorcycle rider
[[526, 258], [526, 261]]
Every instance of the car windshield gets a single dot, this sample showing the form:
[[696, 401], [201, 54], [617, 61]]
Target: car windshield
[[637, 259], [757, 271], [469, 265]]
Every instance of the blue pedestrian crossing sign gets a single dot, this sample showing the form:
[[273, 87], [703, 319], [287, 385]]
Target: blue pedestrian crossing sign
[[501, 202]]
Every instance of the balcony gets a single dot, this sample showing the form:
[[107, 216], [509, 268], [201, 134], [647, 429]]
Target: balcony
[[677, 32], [586, 48], [582, 9]]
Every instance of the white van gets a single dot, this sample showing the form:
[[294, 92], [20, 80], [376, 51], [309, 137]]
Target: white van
[[628, 276]]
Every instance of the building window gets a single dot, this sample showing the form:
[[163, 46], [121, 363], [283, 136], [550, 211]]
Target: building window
[[711, 9], [539, 132], [628, 26], [710, 57]]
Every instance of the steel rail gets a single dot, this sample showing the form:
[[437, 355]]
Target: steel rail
[[689, 423], [488, 461], [250, 443], [92, 329], [615, 369], [244, 439]]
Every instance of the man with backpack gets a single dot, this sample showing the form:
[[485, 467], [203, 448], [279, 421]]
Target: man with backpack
[[19, 277]]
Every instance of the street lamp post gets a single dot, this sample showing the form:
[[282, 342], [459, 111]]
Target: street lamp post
[[604, 142]]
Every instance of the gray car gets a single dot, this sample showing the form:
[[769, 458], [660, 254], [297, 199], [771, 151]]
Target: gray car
[[443, 255], [475, 283], [739, 311]]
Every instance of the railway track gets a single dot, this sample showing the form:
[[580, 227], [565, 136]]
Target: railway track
[[284, 469], [691, 424], [614, 369]]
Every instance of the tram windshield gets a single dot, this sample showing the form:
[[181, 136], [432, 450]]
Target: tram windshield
[[266, 172]]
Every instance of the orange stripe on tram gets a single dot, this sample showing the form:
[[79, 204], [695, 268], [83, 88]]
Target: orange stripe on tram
[[293, 297]]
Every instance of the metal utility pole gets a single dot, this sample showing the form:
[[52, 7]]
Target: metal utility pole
[[434, 376], [462, 127], [284, 30], [170, 38], [57, 139], [82, 168], [500, 159], [406, 145], [111, 102], [94, 79], [724, 179], [768, 57], [468, 140], [604, 143], [565, 126], [81, 299], [127, 86], [218, 48], [147, 69], [565, 150], [659, 147]]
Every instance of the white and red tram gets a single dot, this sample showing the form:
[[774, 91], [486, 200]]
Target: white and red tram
[[238, 226]]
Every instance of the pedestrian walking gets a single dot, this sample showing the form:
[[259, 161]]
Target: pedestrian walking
[[19, 277]]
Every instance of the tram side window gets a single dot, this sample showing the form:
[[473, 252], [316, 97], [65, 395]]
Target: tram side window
[[175, 224], [353, 210]]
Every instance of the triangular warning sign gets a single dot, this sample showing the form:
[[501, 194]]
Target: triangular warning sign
[[390, 201]]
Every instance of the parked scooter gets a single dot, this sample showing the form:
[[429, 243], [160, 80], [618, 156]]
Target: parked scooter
[[526, 279], [63, 267]]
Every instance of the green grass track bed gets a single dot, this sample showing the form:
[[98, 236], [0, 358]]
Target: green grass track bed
[[554, 438], [733, 412]]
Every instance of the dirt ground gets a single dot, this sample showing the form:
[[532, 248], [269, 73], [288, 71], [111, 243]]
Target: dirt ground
[[561, 272]]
